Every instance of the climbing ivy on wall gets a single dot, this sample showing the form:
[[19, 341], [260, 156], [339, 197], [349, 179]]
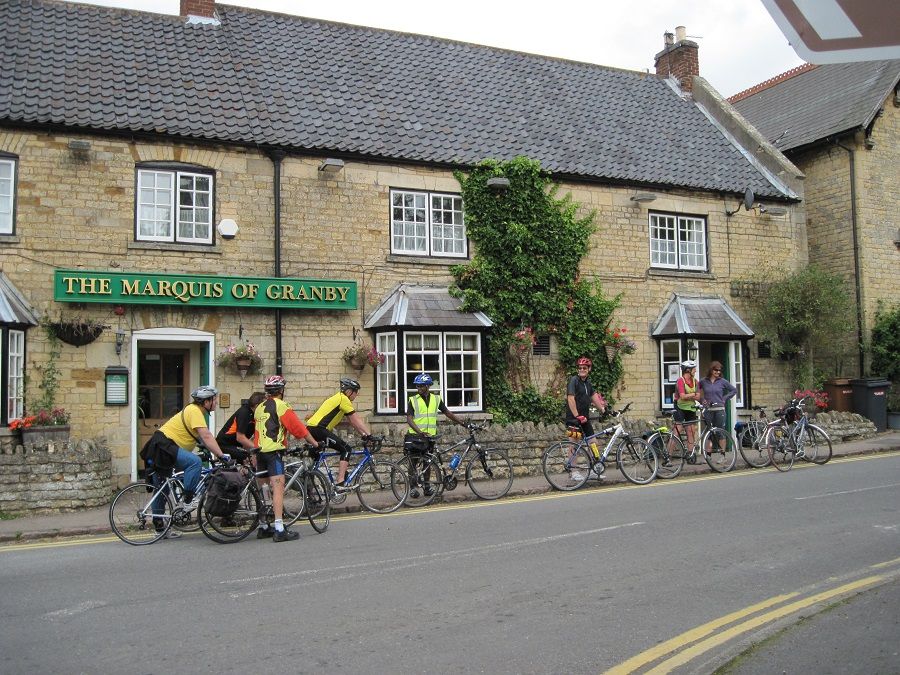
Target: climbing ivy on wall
[[528, 247]]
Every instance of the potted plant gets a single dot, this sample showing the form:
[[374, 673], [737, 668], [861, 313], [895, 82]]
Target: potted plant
[[43, 427], [615, 340], [819, 399], [77, 331], [243, 358], [357, 354]]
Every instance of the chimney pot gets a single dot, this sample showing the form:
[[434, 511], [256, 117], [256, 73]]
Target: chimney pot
[[680, 33], [669, 38]]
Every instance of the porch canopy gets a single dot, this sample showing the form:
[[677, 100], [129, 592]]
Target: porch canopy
[[14, 309], [700, 316], [420, 306]]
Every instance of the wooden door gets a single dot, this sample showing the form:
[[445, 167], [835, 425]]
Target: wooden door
[[161, 390]]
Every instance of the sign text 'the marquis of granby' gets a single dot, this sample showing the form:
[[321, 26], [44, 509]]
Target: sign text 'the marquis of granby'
[[202, 290]]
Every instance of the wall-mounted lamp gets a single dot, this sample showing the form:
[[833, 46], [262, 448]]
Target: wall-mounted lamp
[[643, 197], [331, 165], [774, 211], [227, 228], [120, 340], [498, 184], [693, 350]]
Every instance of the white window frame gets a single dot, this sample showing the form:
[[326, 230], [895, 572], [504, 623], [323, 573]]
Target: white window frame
[[170, 197], [736, 356], [664, 368], [15, 374], [8, 196], [413, 236], [417, 367], [386, 374], [687, 239], [472, 396]]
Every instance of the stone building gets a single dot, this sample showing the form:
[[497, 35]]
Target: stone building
[[840, 123], [228, 175]]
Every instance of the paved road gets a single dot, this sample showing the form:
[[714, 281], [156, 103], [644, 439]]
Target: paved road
[[574, 583]]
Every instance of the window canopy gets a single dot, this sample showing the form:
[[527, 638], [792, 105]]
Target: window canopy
[[700, 316], [14, 309], [424, 307]]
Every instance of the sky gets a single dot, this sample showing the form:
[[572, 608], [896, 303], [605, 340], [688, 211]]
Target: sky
[[740, 45]]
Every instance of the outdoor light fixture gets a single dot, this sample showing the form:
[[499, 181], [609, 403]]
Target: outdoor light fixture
[[643, 197], [79, 144], [693, 350], [773, 210], [120, 340], [227, 228], [498, 184], [331, 165]]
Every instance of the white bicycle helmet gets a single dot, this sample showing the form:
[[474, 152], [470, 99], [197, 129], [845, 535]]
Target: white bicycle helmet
[[204, 392], [688, 364]]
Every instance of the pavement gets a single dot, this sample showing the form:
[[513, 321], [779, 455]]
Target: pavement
[[96, 520]]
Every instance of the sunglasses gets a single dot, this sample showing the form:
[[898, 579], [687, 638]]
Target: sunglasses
[[717, 370]]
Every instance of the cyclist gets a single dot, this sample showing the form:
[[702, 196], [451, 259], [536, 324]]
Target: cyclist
[[421, 416], [237, 432], [185, 429], [332, 411], [275, 419], [715, 392], [686, 404], [580, 394]]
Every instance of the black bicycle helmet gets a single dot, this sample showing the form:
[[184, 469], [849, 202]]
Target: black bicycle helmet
[[349, 383]]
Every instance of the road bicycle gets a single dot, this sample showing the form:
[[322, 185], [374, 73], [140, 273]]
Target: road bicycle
[[144, 512], [793, 436], [568, 465], [750, 440], [488, 471], [381, 486], [714, 444], [306, 493]]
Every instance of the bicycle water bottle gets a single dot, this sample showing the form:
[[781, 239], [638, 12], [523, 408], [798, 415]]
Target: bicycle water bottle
[[454, 461], [595, 449], [267, 497]]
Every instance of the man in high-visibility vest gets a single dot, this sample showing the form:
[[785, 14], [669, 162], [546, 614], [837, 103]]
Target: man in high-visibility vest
[[421, 416]]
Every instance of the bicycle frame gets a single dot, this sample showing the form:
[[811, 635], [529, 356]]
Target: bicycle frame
[[322, 464]]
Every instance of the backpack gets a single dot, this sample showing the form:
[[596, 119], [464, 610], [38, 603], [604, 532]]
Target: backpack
[[224, 492]]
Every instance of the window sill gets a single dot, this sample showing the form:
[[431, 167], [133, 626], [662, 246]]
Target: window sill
[[423, 260], [394, 418], [164, 246], [679, 274], [9, 239]]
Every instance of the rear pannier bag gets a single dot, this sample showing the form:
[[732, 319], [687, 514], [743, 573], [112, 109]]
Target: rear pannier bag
[[224, 492]]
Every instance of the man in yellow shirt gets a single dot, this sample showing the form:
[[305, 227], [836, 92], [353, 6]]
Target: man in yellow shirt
[[332, 411]]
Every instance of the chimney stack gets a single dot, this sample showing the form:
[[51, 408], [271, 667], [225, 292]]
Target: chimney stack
[[678, 59], [201, 8]]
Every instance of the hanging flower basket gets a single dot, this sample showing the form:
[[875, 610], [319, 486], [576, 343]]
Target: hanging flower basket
[[611, 352], [244, 358], [77, 334]]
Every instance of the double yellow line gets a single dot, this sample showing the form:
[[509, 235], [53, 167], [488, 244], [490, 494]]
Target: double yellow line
[[683, 648]]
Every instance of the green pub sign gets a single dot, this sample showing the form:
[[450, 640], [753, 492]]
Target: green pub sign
[[195, 290]]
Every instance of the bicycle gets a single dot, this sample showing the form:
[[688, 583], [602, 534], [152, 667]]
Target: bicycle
[[488, 472], [793, 435], [750, 440], [381, 485], [305, 493], [131, 513], [673, 451], [568, 465]]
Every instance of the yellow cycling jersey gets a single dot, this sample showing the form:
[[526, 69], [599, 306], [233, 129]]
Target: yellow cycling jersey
[[182, 429], [332, 411]]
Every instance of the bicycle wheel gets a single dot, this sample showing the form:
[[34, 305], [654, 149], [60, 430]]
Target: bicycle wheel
[[382, 487], [669, 451], [719, 449], [816, 444], [294, 501], [318, 500], [566, 465], [779, 448], [426, 482], [131, 517], [750, 443], [637, 460], [233, 528], [489, 473]]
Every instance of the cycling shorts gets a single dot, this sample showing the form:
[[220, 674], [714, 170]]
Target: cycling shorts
[[273, 462], [684, 415], [323, 435]]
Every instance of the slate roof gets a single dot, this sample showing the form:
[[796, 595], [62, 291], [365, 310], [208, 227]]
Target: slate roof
[[327, 88], [424, 307], [707, 316], [822, 102]]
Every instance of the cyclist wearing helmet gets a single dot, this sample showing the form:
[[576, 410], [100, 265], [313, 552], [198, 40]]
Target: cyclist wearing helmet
[[275, 419], [421, 416], [686, 401], [237, 433], [331, 413], [185, 429], [580, 394]]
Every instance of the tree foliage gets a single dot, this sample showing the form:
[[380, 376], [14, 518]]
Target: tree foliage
[[885, 349], [529, 244]]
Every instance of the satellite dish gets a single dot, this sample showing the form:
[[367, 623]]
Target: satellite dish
[[749, 198]]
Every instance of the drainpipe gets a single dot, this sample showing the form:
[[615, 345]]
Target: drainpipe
[[854, 228], [277, 156]]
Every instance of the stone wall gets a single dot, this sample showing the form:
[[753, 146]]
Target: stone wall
[[845, 426], [36, 479]]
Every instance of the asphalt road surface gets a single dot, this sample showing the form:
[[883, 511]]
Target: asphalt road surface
[[678, 576]]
